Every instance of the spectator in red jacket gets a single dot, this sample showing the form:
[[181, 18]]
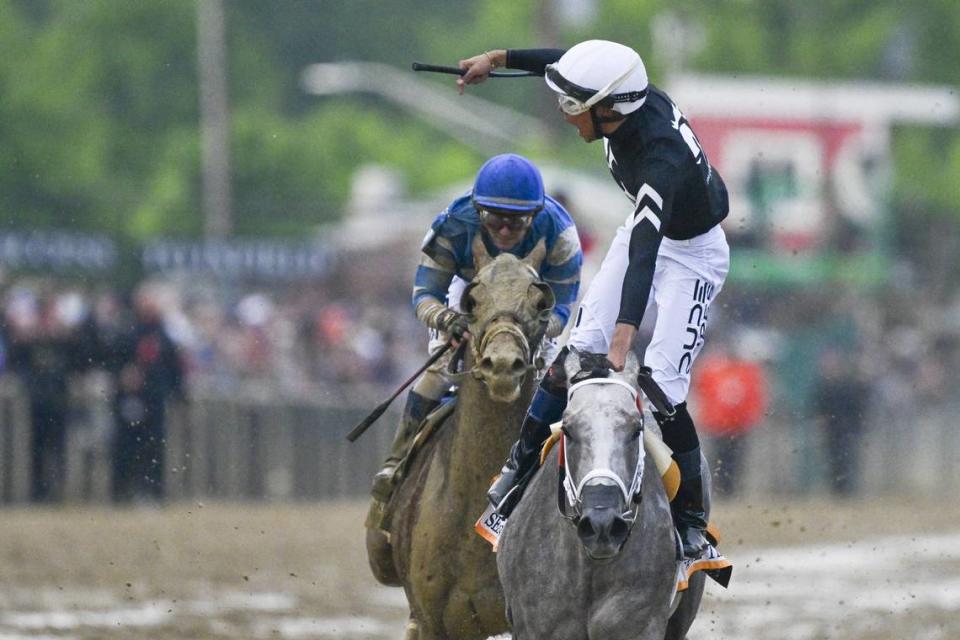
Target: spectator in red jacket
[[732, 394]]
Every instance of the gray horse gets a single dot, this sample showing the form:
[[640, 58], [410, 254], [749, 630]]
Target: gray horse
[[591, 553], [448, 572]]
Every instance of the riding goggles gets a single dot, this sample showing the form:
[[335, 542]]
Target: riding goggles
[[576, 99], [497, 221]]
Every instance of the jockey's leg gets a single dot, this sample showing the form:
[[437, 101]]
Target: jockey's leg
[[422, 399], [688, 278], [416, 410], [545, 409], [689, 514]]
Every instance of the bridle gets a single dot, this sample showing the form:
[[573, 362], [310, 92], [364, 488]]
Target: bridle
[[572, 507], [507, 323]]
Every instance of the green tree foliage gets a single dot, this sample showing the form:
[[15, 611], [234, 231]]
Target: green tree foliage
[[92, 90], [290, 175], [99, 110], [99, 122]]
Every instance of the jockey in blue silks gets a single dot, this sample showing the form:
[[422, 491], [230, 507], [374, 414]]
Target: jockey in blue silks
[[505, 212]]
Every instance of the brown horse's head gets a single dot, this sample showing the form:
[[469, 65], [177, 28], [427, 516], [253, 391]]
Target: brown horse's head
[[508, 306]]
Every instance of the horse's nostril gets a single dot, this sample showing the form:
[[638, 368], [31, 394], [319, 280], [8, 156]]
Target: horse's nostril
[[519, 365], [486, 364], [619, 529], [585, 529]]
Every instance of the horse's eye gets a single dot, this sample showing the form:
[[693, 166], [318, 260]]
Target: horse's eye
[[566, 432]]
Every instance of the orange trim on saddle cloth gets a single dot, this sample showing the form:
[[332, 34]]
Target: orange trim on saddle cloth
[[486, 535], [489, 526], [714, 533], [707, 564]]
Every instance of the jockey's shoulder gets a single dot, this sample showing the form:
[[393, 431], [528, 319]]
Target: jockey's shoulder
[[557, 214], [459, 218]]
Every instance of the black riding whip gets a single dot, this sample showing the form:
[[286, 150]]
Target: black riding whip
[[370, 419], [456, 71]]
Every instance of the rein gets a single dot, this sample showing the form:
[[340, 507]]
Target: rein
[[573, 490]]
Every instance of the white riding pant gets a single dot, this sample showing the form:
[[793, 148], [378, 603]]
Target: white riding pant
[[436, 380], [689, 275]]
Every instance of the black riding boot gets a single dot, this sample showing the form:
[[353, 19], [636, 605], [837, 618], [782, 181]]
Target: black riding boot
[[680, 434], [524, 457], [688, 510], [416, 410]]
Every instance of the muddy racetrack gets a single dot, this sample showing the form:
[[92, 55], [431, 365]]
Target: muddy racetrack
[[884, 570]]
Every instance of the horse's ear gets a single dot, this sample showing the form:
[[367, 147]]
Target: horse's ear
[[571, 364], [467, 301], [631, 368], [481, 257], [536, 255], [545, 300]]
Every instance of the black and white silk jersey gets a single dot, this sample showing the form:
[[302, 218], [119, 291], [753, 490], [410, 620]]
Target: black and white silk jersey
[[657, 160]]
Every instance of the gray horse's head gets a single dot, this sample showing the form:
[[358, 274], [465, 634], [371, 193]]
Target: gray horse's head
[[508, 307], [603, 452]]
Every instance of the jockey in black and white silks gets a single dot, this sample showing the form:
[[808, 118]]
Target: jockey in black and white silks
[[670, 251]]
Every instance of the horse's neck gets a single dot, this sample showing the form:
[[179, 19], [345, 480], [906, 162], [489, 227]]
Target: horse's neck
[[486, 428]]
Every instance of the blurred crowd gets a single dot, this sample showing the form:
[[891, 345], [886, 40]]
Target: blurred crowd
[[296, 341], [168, 341], [837, 374], [828, 371]]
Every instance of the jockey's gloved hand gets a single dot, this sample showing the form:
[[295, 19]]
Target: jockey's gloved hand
[[553, 326], [452, 323]]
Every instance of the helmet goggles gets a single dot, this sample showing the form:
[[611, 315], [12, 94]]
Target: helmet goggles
[[497, 220], [576, 99]]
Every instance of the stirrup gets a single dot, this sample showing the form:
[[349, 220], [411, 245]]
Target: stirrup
[[376, 516], [512, 498], [384, 484], [508, 503], [712, 563]]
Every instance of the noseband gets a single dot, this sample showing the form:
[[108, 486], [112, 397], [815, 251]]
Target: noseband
[[505, 322], [574, 490]]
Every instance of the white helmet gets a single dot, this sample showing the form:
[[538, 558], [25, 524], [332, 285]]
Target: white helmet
[[598, 72]]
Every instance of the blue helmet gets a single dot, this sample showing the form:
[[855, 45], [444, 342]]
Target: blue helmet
[[508, 183]]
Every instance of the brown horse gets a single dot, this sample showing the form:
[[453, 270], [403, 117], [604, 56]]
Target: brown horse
[[448, 572]]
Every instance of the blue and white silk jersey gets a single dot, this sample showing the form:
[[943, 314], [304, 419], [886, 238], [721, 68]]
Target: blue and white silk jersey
[[455, 239]]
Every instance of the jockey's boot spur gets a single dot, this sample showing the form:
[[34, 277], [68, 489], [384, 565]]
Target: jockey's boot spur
[[415, 412], [506, 490]]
